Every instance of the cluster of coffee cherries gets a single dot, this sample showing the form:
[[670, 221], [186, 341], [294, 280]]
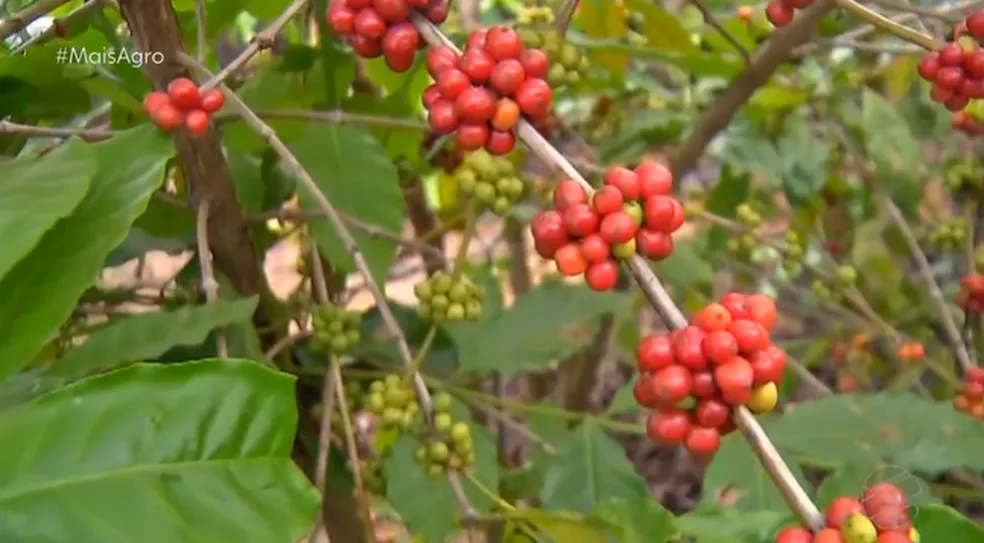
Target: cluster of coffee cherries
[[970, 398], [832, 292], [449, 445], [970, 298], [963, 175], [781, 12], [692, 378], [956, 70], [183, 104], [949, 234], [632, 213], [482, 95], [444, 297], [881, 515], [967, 123], [377, 28], [745, 244], [334, 329], [568, 63], [392, 401], [490, 181]]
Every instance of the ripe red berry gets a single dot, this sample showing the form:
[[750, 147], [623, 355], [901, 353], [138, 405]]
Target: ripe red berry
[[356, 5], [703, 441], [713, 317], [501, 142], [950, 77], [478, 65], [607, 200], [437, 13], [735, 380], [535, 98], [720, 346], [431, 95], [886, 506], [618, 227], [567, 194], [672, 384], [369, 24], [653, 245], [668, 427], [451, 83], [155, 100], [212, 100], [626, 181], [794, 535], [503, 43], [762, 310], [956, 102], [688, 348], [704, 386], [768, 365], [828, 535], [841, 508], [366, 47], [166, 117], [570, 261], [443, 117], [580, 220], [939, 93], [341, 19], [535, 63], [894, 537], [778, 13], [975, 25], [506, 115], [644, 393], [972, 88], [663, 214], [654, 353], [197, 122], [951, 55], [595, 249], [393, 11], [549, 234], [401, 40], [601, 276], [476, 40], [476, 105], [184, 93], [472, 136], [711, 412], [655, 179], [736, 305], [973, 63], [507, 76], [751, 335], [929, 66], [440, 59]]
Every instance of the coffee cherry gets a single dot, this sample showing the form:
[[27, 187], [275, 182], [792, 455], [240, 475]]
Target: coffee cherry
[[341, 18], [506, 115], [794, 535], [601, 276], [779, 13], [489, 181], [535, 98], [472, 136], [828, 535], [669, 427], [569, 193], [672, 384], [184, 93], [439, 60], [840, 509], [366, 47], [335, 330], [858, 528], [393, 11], [703, 441], [162, 112], [444, 298], [764, 398], [975, 25], [212, 101], [196, 121], [535, 63]]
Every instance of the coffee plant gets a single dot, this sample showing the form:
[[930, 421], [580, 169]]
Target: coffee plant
[[558, 271]]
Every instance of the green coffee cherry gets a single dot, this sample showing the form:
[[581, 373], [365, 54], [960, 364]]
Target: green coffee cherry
[[335, 330], [446, 299], [490, 182]]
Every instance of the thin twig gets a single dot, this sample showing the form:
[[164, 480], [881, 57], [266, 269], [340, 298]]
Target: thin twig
[[887, 25], [712, 21], [209, 284], [68, 19], [359, 259], [902, 7], [26, 16], [935, 294], [661, 301], [566, 15], [285, 343], [260, 42], [200, 29]]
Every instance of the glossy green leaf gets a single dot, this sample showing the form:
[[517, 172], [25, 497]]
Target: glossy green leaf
[[271, 88], [897, 428], [737, 473], [425, 502], [192, 451], [247, 176], [726, 525], [638, 520], [891, 145], [589, 469], [146, 336], [805, 163], [563, 526], [41, 290], [661, 28], [36, 193], [546, 324], [943, 523], [599, 19], [352, 171]]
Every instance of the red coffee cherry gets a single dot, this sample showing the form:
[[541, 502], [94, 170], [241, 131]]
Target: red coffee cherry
[[503, 43], [212, 101], [184, 93], [535, 98], [369, 24], [393, 11], [507, 76], [197, 122], [476, 105]]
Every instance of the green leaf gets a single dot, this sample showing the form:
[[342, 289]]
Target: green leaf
[[777, 97], [562, 526], [736, 477], [639, 520], [897, 428], [146, 336], [247, 177], [155, 449], [805, 159], [889, 142], [589, 469], [661, 28], [352, 171], [600, 20], [270, 88], [426, 503], [548, 323], [709, 525], [36, 193], [943, 523], [624, 401], [687, 266], [41, 290]]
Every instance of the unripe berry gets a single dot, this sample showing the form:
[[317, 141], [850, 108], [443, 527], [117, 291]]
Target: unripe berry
[[764, 398]]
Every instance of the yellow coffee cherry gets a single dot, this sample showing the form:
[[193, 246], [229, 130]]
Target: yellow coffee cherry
[[764, 398], [858, 528]]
